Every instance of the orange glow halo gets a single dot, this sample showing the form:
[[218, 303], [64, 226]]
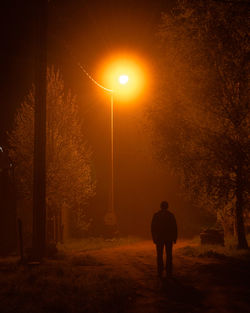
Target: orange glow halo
[[115, 70]]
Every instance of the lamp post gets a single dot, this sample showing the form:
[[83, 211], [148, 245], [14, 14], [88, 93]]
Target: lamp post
[[110, 217], [112, 157]]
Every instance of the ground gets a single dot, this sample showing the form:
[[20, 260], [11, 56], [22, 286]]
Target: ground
[[123, 278], [218, 284]]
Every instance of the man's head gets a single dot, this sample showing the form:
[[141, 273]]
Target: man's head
[[164, 205]]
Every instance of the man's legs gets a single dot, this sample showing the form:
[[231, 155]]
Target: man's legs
[[169, 265], [159, 250]]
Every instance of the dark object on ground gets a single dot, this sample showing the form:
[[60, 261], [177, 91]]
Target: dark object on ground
[[8, 233], [212, 237]]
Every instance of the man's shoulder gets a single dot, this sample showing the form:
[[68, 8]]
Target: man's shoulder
[[170, 213], [157, 213], [164, 213]]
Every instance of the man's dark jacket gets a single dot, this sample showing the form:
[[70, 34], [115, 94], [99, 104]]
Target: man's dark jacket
[[164, 226]]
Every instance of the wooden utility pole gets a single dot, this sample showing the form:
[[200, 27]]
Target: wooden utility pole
[[39, 169]]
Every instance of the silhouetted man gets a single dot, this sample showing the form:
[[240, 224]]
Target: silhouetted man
[[164, 233]]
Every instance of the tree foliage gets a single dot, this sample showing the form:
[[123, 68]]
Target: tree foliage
[[69, 181], [201, 120]]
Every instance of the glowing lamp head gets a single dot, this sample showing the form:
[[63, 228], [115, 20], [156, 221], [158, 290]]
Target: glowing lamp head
[[125, 75], [123, 79]]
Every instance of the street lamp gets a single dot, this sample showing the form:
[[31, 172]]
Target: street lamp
[[126, 78], [110, 218]]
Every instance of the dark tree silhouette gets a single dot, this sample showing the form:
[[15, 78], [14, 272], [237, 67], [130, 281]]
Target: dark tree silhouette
[[201, 117], [69, 179]]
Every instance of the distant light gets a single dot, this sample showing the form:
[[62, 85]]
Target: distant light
[[123, 79], [1, 148]]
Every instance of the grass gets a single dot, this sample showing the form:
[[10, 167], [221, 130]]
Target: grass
[[70, 282], [77, 284], [215, 251], [93, 243]]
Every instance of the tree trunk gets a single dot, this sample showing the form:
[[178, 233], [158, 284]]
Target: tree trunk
[[240, 229]]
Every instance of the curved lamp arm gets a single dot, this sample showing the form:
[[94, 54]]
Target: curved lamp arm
[[93, 80]]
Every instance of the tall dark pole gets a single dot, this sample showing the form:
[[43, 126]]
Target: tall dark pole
[[39, 169]]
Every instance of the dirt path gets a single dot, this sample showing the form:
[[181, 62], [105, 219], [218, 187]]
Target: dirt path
[[198, 284]]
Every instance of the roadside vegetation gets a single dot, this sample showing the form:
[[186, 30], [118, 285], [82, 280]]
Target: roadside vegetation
[[71, 284], [95, 243], [96, 276], [229, 250], [71, 281]]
